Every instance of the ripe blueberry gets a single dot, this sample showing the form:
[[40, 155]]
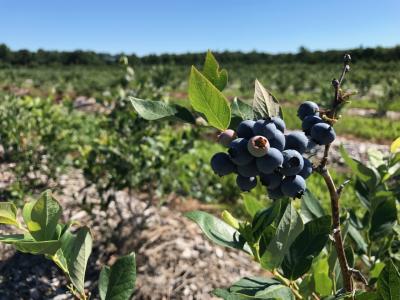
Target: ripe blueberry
[[293, 162], [258, 146], [222, 164], [278, 141], [307, 108], [239, 153], [293, 186], [323, 133], [279, 123], [249, 170], [309, 122], [307, 169], [271, 181], [269, 162], [246, 183], [226, 137], [265, 128], [297, 141], [245, 129]]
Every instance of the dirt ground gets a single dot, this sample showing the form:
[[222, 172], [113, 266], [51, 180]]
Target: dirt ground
[[174, 259]]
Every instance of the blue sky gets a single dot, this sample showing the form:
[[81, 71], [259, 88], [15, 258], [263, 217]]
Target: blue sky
[[144, 27]]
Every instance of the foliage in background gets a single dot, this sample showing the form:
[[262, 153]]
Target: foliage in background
[[40, 140], [79, 57]]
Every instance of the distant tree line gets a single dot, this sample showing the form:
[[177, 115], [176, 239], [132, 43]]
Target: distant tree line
[[43, 57]]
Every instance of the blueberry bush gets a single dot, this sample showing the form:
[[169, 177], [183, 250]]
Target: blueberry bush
[[40, 140], [68, 247], [310, 253]]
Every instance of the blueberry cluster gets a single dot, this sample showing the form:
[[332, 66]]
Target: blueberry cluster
[[261, 149], [313, 125]]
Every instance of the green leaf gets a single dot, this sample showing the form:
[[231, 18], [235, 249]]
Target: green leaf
[[396, 229], [265, 105], [383, 219], [365, 174], [218, 231], [395, 145], [306, 288], [289, 227], [251, 204], [25, 244], [306, 247], [348, 251], [393, 170], [152, 110], [104, 279], [368, 296], [118, 282], [211, 71], [321, 280], [74, 254], [358, 239], [38, 247], [183, 114], [310, 207], [229, 219], [377, 269], [389, 282], [376, 158], [26, 214], [242, 109], [264, 218], [12, 238], [256, 288], [8, 213], [208, 100], [226, 295], [362, 193], [41, 216]]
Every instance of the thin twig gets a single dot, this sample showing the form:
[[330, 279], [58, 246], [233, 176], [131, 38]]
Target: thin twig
[[359, 276], [344, 266], [315, 296], [333, 192], [341, 187]]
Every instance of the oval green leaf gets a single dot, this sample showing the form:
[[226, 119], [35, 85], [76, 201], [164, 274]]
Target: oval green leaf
[[218, 231], [8, 213], [289, 227], [306, 247], [265, 105], [389, 282], [256, 288], [118, 282], [208, 100], [211, 71]]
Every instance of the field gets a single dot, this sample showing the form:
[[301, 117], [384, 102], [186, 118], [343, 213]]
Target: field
[[72, 129]]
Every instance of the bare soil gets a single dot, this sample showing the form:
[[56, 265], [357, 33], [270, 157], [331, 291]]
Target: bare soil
[[174, 259]]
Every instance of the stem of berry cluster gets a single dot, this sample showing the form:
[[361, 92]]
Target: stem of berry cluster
[[334, 193]]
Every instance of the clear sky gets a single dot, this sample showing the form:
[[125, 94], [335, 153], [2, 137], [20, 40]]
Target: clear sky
[[159, 26]]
